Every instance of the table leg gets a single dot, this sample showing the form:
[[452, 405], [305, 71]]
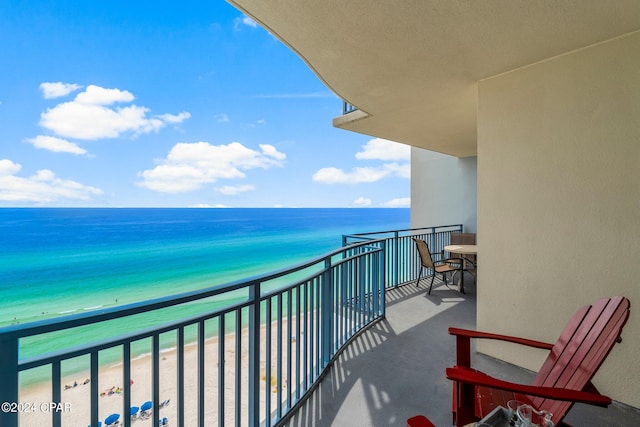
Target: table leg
[[463, 266]]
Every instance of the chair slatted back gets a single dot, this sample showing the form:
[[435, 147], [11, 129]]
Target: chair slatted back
[[463, 239], [580, 351], [425, 254]]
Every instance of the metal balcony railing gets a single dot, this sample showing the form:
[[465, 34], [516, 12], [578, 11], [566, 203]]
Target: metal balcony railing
[[348, 108], [255, 350], [401, 259]]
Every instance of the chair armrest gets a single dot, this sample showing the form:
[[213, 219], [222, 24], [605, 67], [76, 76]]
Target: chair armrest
[[448, 261], [471, 376], [467, 333]]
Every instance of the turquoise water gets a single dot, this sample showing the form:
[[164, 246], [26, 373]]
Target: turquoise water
[[55, 262]]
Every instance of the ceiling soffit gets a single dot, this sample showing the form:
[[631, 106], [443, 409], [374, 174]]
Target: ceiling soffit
[[412, 66]]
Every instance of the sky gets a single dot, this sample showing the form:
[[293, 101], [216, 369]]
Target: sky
[[173, 104]]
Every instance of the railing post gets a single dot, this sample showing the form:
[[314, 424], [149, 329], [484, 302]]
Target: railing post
[[432, 243], [254, 355], [327, 312], [9, 375], [396, 257], [381, 281]]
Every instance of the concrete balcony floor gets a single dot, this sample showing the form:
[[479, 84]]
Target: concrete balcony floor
[[395, 369]]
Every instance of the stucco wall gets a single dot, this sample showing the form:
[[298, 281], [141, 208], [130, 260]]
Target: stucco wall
[[559, 201], [443, 190]]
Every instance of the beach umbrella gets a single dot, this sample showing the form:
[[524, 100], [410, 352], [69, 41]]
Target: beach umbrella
[[111, 419], [134, 410], [146, 406]]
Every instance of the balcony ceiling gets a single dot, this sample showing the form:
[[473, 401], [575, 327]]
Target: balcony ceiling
[[412, 66]]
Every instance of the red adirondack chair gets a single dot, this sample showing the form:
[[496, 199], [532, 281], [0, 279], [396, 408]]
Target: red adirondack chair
[[564, 378]]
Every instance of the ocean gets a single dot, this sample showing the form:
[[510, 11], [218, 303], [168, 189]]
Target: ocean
[[58, 261]]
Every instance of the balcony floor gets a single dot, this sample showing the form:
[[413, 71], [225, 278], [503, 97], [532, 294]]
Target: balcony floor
[[395, 369]]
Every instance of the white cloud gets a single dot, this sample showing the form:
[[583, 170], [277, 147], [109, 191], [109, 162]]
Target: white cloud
[[271, 151], [222, 118], [43, 187], [96, 95], [400, 170], [333, 175], [362, 201], [356, 176], [401, 202], [90, 122], [244, 20], [232, 190], [58, 145], [249, 22], [7, 167], [173, 178], [57, 89], [90, 117], [383, 149], [375, 149], [175, 118], [189, 166], [260, 122]]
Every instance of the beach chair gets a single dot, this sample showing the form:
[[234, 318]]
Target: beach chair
[[112, 420], [564, 378], [145, 410], [133, 411]]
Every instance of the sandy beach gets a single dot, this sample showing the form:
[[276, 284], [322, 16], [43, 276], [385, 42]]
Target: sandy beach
[[76, 399]]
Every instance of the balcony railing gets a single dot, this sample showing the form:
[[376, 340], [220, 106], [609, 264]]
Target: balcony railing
[[348, 108], [401, 261], [253, 352]]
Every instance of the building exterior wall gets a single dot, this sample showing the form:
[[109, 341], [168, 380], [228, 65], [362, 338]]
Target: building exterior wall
[[443, 190], [559, 201]]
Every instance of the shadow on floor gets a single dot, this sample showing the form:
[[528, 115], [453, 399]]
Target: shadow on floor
[[395, 369]]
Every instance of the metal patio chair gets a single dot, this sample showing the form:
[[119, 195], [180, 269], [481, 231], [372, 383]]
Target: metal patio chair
[[443, 266]]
